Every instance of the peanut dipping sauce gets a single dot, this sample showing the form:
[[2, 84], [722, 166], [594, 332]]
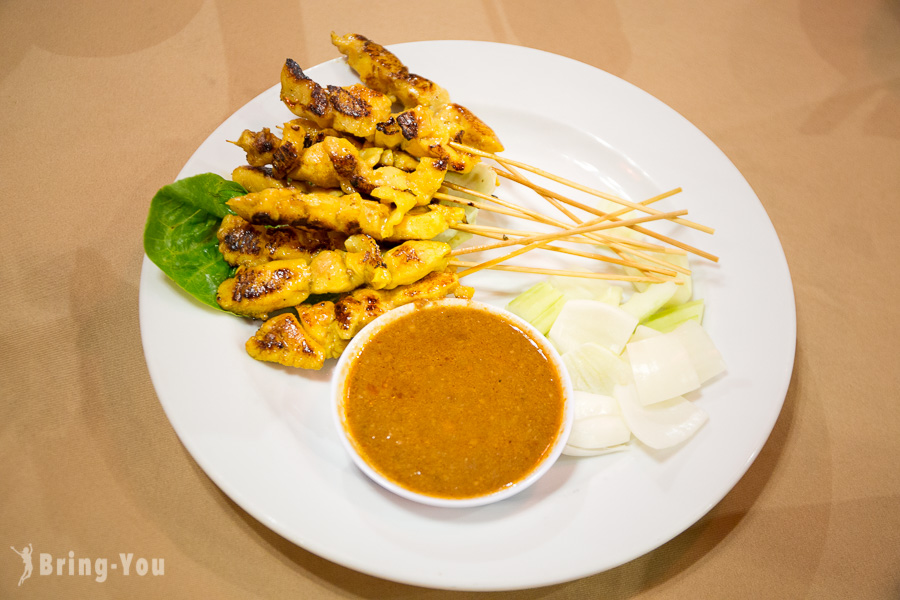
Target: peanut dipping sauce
[[453, 402]]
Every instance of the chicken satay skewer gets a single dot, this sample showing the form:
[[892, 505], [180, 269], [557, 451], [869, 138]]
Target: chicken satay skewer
[[349, 214], [256, 291], [321, 331]]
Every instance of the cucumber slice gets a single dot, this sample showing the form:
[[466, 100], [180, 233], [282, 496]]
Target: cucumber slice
[[643, 304], [539, 305], [667, 320]]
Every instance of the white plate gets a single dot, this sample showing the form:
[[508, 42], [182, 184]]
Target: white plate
[[264, 434]]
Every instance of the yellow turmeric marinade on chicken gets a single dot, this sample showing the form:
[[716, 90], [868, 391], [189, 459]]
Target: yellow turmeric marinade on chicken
[[354, 109], [338, 162], [294, 155], [255, 179], [321, 331], [257, 290], [348, 214], [381, 70], [419, 130], [242, 243]]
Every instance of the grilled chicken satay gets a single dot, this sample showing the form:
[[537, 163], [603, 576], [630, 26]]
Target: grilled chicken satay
[[255, 179], [381, 70], [334, 161], [349, 214], [418, 130], [420, 133], [355, 109], [256, 291], [322, 331], [242, 243]]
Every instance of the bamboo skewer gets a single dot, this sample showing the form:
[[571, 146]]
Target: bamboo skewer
[[586, 229], [663, 268], [536, 241], [604, 216], [603, 239], [549, 197], [500, 259], [572, 216], [622, 262], [599, 213], [621, 252], [503, 233], [575, 185], [536, 216], [563, 272], [590, 229], [559, 206], [596, 237], [481, 206], [498, 233]]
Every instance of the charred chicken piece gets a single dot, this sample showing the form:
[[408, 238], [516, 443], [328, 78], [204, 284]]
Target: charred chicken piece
[[348, 214], [242, 243], [381, 70], [355, 109], [321, 331], [255, 179], [256, 291]]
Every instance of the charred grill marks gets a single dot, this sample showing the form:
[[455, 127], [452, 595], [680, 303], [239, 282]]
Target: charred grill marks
[[409, 126], [347, 104], [249, 285]]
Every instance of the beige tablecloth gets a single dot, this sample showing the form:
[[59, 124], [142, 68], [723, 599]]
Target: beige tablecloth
[[102, 102]]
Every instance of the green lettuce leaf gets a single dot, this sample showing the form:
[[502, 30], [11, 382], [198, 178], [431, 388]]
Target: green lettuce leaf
[[180, 235]]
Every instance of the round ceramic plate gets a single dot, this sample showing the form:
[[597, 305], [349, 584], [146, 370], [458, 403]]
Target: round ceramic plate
[[264, 433]]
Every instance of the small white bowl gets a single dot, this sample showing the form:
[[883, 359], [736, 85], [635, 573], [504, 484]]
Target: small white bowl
[[338, 391]]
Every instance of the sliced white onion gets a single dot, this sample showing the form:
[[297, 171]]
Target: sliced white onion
[[598, 425], [705, 357], [642, 332], [596, 369], [662, 425], [586, 404], [583, 321], [661, 368], [599, 432]]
